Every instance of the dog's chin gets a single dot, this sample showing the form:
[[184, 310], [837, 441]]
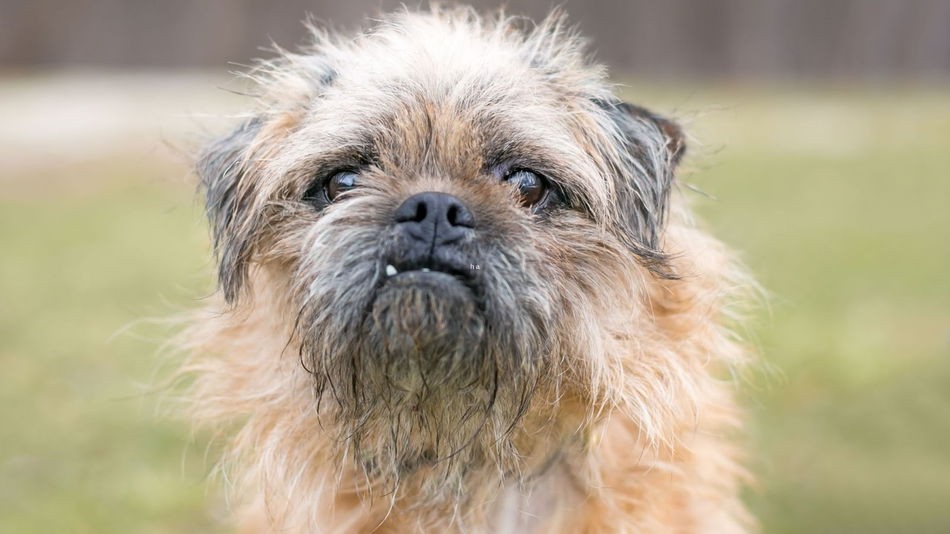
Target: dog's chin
[[426, 320]]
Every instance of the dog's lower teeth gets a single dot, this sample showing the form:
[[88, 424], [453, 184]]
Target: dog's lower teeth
[[425, 270], [391, 271]]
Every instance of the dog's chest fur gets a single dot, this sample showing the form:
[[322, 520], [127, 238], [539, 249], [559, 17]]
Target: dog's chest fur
[[551, 500]]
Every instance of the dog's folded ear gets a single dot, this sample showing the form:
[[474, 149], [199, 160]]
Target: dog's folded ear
[[650, 148], [222, 168], [672, 133]]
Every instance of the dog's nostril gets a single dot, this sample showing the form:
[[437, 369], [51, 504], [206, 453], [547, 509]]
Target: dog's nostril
[[420, 212], [413, 210], [459, 215]]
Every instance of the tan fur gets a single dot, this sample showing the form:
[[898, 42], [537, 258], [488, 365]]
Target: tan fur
[[629, 425]]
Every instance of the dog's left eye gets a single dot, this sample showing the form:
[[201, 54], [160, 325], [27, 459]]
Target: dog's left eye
[[327, 190], [340, 182], [532, 187]]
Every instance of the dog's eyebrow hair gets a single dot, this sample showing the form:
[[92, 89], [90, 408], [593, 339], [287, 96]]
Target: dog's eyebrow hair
[[356, 155]]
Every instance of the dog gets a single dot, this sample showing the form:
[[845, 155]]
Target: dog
[[460, 291]]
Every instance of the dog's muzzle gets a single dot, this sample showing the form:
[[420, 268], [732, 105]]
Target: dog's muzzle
[[434, 234]]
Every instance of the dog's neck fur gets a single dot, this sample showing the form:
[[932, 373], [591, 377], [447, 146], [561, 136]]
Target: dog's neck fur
[[611, 488]]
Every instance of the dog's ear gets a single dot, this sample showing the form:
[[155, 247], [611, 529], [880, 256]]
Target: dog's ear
[[651, 146], [673, 137], [223, 169]]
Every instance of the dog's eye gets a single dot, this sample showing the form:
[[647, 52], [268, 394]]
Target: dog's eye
[[532, 187], [340, 182]]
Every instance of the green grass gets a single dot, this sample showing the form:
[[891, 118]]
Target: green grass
[[837, 199], [83, 449]]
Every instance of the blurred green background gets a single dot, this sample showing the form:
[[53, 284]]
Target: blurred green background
[[835, 191]]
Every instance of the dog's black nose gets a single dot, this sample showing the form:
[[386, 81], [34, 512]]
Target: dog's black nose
[[435, 219]]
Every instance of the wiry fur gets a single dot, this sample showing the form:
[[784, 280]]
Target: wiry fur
[[579, 388]]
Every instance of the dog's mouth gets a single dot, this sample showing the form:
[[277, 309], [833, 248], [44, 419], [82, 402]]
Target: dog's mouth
[[431, 271]]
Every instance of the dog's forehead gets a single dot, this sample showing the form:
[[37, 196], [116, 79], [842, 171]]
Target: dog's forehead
[[471, 111], [453, 79], [447, 99]]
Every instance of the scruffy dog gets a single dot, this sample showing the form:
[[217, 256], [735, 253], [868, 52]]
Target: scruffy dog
[[459, 292]]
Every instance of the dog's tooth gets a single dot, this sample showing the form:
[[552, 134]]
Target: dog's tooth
[[425, 269], [391, 271]]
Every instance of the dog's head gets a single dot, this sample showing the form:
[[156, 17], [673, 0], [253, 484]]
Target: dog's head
[[455, 218]]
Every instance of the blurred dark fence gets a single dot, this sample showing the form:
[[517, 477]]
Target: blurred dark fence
[[905, 39]]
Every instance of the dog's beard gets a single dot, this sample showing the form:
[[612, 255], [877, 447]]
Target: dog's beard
[[423, 328], [418, 371]]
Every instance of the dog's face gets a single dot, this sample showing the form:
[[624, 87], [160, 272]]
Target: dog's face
[[451, 222]]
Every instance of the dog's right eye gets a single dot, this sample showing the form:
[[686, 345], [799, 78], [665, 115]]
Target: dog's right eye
[[532, 187]]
